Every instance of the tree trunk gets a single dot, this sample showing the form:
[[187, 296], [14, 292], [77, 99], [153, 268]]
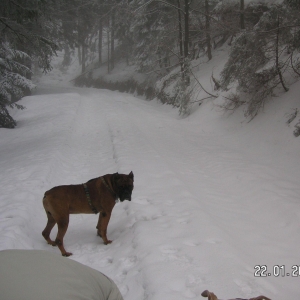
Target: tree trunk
[[112, 48], [67, 56], [186, 76], [79, 54], [180, 30], [207, 30], [83, 53], [186, 28], [277, 57], [108, 52], [127, 53], [180, 38], [100, 37], [242, 14]]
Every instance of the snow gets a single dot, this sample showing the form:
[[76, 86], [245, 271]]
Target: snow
[[214, 196]]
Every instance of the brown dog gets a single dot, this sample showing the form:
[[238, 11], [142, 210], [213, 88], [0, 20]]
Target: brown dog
[[212, 296], [98, 195]]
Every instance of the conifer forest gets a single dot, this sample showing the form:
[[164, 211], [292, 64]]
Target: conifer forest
[[161, 38]]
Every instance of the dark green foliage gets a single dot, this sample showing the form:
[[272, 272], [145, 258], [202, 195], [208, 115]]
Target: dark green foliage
[[13, 82], [246, 56], [294, 4], [25, 34], [127, 86], [253, 13], [6, 121], [151, 35], [176, 89], [261, 59]]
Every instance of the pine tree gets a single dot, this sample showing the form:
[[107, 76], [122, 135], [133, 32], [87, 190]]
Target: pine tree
[[25, 33], [123, 30], [151, 34], [13, 82], [260, 59]]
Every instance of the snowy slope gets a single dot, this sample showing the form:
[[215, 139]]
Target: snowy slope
[[214, 196]]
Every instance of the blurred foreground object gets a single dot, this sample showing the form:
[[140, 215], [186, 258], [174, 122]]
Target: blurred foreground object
[[37, 274]]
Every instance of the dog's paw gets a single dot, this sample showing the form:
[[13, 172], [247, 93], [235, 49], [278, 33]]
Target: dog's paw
[[108, 242], [67, 254]]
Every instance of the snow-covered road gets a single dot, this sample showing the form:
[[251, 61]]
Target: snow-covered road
[[213, 198]]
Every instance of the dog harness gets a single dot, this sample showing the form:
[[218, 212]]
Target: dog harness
[[89, 199]]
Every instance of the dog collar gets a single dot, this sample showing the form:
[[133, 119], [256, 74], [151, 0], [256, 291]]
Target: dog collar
[[107, 186], [89, 199]]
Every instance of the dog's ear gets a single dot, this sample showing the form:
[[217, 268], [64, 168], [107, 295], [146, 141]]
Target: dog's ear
[[131, 175]]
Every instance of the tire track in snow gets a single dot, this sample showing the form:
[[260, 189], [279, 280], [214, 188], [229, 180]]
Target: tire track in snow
[[96, 155], [112, 140], [69, 148], [25, 185], [89, 155], [160, 167], [125, 270], [132, 148]]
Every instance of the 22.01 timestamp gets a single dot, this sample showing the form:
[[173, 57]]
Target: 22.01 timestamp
[[276, 271]]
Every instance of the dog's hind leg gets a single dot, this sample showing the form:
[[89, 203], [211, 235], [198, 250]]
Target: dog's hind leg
[[46, 232], [62, 225]]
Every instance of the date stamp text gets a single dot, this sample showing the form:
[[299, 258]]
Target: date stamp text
[[277, 271]]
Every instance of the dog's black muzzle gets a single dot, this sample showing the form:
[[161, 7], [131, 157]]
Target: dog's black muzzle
[[126, 194]]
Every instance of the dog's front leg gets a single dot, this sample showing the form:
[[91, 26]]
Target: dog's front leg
[[102, 226]]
